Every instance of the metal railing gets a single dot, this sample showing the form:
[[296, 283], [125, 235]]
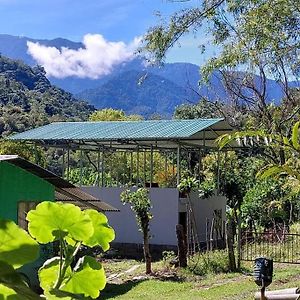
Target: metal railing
[[280, 246]]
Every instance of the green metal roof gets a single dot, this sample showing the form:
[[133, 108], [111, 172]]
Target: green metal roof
[[112, 133], [115, 130]]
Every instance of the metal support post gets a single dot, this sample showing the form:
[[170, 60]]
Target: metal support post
[[131, 169], [63, 164], [151, 166], [178, 165], [137, 165], [218, 179], [80, 165], [68, 162], [145, 175], [98, 167], [102, 168]]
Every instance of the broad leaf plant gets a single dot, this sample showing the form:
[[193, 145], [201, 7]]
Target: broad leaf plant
[[60, 277]]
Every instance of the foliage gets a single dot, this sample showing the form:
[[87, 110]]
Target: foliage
[[141, 205], [236, 173], [109, 114], [288, 144], [256, 40], [282, 193], [248, 32], [209, 262], [119, 169], [166, 178], [188, 184], [89, 176], [266, 203], [22, 149], [59, 278], [203, 109]]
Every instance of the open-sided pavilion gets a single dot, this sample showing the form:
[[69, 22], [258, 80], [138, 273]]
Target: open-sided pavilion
[[177, 140]]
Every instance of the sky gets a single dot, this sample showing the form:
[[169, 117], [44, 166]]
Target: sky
[[118, 22]]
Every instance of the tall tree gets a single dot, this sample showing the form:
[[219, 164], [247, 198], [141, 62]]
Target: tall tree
[[257, 39]]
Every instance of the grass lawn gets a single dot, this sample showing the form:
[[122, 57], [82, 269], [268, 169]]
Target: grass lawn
[[214, 286]]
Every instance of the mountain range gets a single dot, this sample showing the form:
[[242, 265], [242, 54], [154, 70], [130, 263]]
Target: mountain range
[[132, 86]]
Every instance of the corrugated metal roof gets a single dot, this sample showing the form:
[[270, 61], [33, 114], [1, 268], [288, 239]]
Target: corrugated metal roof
[[129, 130], [64, 190]]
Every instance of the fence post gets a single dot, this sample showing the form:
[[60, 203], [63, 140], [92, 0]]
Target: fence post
[[239, 246], [182, 249]]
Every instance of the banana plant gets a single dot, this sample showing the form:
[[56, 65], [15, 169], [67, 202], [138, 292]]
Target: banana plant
[[289, 144]]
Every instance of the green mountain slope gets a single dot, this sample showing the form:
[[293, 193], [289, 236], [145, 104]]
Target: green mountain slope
[[137, 93], [27, 99]]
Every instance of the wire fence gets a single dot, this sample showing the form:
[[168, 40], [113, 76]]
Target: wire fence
[[281, 247]]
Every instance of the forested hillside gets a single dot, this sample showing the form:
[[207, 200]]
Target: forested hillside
[[139, 93], [27, 99]]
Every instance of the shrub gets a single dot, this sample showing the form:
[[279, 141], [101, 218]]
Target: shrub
[[209, 262]]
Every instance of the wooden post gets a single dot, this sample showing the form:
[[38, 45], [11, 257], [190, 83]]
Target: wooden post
[[182, 250], [262, 293], [231, 257]]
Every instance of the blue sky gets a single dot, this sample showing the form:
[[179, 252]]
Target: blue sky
[[116, 20]]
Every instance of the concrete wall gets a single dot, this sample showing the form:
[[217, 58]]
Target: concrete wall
[[165, 215], [204, 210]]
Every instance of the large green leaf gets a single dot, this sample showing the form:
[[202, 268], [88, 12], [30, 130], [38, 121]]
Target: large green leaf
[[103, 233], [270, 171], [17, 247], [88, 278], [12, 285], [51, 220], [49, 273], [9, 294]]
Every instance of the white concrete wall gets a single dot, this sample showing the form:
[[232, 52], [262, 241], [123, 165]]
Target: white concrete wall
[[204, 209], [165, 215]]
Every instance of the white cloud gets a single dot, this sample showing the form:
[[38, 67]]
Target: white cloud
[[96, 58]]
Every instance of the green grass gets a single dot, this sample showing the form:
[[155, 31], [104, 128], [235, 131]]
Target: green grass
[[234, 286]]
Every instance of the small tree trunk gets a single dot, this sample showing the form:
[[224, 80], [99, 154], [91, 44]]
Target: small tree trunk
[[182, 249], [147, 255]]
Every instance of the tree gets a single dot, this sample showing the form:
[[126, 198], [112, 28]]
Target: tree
[[141, 205], [203, 109], [257, 40], [288, 171], [23, 150], [110, 114]]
